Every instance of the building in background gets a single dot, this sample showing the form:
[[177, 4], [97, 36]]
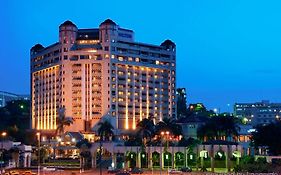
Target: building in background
[[101, 71], [6, 97], [262, 112]]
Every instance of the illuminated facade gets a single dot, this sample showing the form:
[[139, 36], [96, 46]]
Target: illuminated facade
[[98, 72]]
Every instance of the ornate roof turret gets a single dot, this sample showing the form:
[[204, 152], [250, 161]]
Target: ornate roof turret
[[68, 23], [108, 21], [36, 48]]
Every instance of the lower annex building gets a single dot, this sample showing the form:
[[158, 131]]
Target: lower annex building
[[100, 72]]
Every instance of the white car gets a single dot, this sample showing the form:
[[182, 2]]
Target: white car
[[49, 169], [174, 171]]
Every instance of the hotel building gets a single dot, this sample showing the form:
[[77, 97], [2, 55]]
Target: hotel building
[[98, 72]]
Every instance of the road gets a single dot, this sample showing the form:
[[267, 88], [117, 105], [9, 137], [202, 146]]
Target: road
[[97, 172]]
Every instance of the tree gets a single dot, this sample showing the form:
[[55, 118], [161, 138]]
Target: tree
[[85, 153], [62, 121], [268, 135], [218, 128], [15, 120], [181, 102], [169, 124], [248, 164], [145, 129], [105, 130]]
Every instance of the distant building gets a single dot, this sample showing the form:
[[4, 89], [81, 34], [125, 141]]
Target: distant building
[[101, 71], [6, 97], [262, 112], [191, 124]]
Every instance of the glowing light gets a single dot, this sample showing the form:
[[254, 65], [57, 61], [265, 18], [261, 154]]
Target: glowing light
[[4, 134], [245, 120], [92, 51], [215, 110]]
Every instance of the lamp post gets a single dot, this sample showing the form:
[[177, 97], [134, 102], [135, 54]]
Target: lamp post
[[165, 135], [38, 134], [100, 155], [73, 140], [3, 134]]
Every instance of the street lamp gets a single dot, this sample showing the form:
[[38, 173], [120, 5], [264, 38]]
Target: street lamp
[[166, 136], [3, 134], [38, 134]]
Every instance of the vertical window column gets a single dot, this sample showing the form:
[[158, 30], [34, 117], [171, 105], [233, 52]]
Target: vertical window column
[[126, 88], [134, 103], [147, 93]]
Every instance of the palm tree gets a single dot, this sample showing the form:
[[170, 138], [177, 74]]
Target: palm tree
[[84, 147], [62, 121], [145, 129], [105, 130], [218, 128], [169, 124]]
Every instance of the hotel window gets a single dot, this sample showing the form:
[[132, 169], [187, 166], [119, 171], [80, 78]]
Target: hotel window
[[120, 58]]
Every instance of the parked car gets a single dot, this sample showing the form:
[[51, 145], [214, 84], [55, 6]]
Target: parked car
[[123, 173], [112, 170], [186, 169], [49, 168], [28, 173], [136, 171], [174, 171], [14, 173]]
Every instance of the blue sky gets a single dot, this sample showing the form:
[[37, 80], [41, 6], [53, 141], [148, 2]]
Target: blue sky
[[227, 50]]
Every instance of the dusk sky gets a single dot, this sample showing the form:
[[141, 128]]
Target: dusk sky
[[227, 50]]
